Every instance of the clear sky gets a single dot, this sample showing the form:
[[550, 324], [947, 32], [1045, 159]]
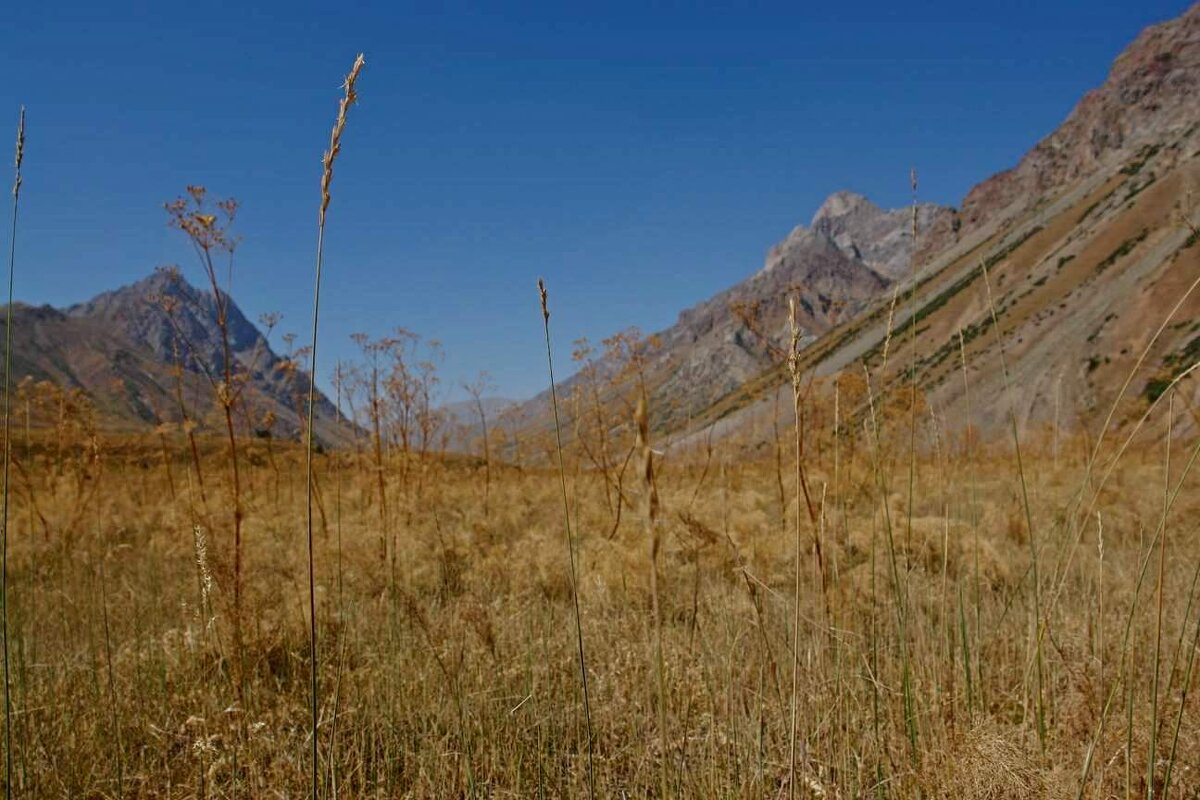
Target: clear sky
[[640, 156]]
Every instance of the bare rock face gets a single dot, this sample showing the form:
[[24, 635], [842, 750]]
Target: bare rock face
[[1150, 96], [1089, 241], [121, 348], [880, 239], [850, 255], [137, 311], [712, 347]]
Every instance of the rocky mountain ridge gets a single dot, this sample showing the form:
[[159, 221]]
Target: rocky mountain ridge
[[1091, 244], [1088, 237], [139, 351], [849, 256]]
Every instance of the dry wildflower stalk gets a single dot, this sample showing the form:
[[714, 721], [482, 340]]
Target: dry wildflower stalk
[[204, 577], [211, 236], [12, 261], [335, 147], [793, 362]]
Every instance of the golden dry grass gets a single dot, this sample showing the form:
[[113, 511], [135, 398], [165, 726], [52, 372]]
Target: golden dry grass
[[460, 678]]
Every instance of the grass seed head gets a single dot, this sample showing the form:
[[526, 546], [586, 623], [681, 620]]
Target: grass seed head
[[20, 157], [545, 304], [349, 97]]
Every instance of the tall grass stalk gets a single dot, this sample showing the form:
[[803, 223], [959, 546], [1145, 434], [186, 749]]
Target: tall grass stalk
[[974, 501], [1158, 627], [642, 424], [1074, 517], [912, 379], [1039, 700], [793, 369], [1121, 677], [112, 692], [900, 595], [8, 329], [335, 147], [341, 607], [1187, 681], [572, 571]]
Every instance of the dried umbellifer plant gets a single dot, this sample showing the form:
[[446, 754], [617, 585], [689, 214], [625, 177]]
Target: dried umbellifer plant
[[208, 227]]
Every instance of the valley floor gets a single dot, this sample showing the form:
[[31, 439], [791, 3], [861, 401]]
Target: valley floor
[[965, 644]]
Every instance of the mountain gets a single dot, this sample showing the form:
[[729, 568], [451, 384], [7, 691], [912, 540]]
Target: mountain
[[880, 239], [1148, 100], [121, 349], [850, 254], [1090, 243]]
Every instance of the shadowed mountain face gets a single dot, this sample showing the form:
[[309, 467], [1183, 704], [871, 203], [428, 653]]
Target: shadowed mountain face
[[122, 348], [138, 312]]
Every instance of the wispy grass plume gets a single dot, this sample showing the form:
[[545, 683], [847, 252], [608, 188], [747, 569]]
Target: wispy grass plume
[[335, 147]]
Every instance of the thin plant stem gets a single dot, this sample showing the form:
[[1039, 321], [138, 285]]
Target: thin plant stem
[[642, 424], [573, 572], [8, 329], [1162, 568], [1121, 677]]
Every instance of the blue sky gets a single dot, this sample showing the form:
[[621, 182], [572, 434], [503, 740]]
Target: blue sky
[[640, 156]]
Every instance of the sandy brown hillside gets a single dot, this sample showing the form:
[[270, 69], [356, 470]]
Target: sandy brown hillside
[[1090, 245]]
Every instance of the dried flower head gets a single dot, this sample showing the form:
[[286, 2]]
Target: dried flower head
[[641, 421], [200, 547], [193, 215]]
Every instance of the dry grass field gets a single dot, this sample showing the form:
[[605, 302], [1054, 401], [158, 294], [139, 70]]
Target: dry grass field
[[932, 664]]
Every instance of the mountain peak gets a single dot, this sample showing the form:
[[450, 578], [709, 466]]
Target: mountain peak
[[842, 204], [164, 320], [881, 239]]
